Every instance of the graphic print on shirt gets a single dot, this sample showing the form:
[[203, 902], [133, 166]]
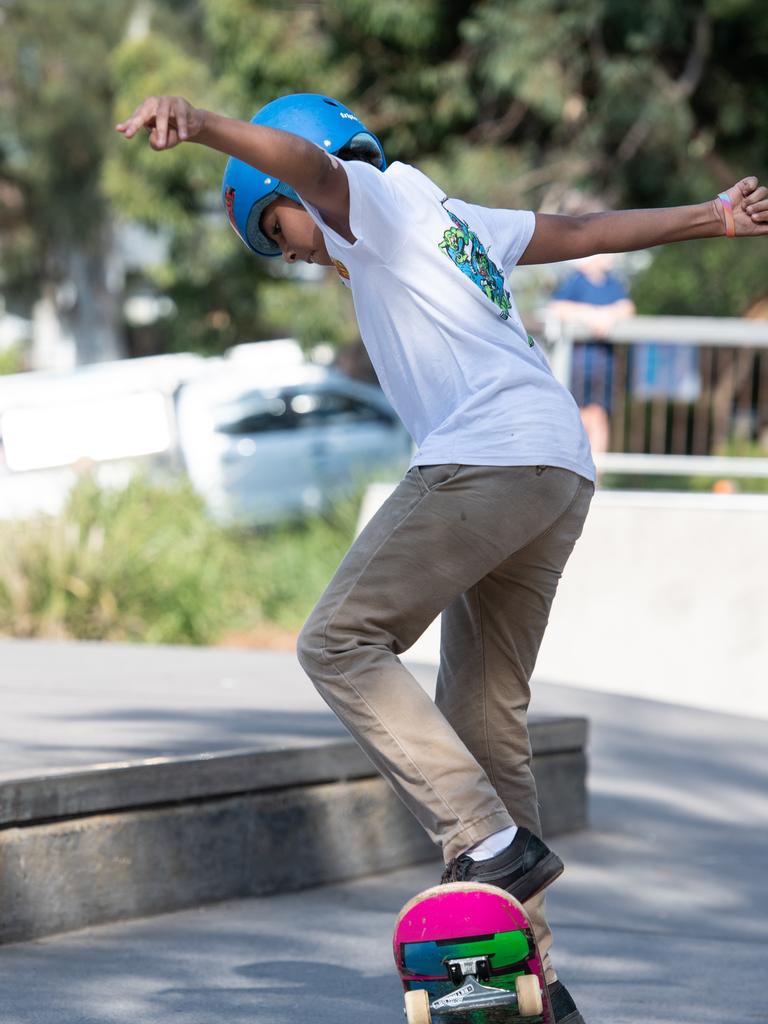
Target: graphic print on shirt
[[468, 253], [341, 270]]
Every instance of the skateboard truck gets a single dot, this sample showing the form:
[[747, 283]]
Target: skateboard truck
[[473, 996], [477, 966]]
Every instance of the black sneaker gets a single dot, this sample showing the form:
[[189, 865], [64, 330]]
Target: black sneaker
[[524, 868], [563, 1007]]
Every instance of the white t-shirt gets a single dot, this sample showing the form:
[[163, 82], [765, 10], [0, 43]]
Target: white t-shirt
[[429, 281]]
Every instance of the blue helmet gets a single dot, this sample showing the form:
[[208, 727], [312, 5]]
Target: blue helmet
[[246, 191]]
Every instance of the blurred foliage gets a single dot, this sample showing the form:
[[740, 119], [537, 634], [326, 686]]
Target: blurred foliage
[[699, 279], [56, 87], [146, 563], [55, 217], [542, 104], [294, 563], [142, 563], [312, 312], [12, 360]]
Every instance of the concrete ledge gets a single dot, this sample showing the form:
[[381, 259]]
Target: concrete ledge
[[160, 780], [126, 840], [149, 782]]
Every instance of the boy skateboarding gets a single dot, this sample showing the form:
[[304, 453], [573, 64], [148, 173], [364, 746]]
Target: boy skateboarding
[[482, 525]]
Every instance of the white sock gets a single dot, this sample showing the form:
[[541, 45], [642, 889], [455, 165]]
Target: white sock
[[493, 844]]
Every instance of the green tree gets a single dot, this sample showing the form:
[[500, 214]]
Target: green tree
[[56, 227], [554, 105], [252, 51]]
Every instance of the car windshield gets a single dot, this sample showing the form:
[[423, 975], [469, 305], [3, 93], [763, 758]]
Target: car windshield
[[253, 413]]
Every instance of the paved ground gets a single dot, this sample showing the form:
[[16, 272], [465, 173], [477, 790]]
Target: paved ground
[[661, 916], [68, 705]]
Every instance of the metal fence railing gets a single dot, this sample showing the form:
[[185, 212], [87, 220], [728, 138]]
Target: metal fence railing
[[681, 386]]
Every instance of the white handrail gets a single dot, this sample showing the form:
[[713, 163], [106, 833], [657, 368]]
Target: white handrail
[[725, 331], [718, 332], [682, 465]]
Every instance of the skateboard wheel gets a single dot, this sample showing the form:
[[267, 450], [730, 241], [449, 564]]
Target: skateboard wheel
[[417, 1007], [529, 1003]]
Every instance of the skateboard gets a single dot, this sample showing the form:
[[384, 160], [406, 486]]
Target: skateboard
[[466, 954]]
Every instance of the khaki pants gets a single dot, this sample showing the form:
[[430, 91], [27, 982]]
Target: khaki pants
[[486, 546]]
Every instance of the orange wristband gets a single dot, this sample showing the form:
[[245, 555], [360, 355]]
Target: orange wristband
[[727, 205]]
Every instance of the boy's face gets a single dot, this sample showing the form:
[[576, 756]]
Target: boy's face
[[289, 224]]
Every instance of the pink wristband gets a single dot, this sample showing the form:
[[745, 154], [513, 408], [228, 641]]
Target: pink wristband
[[730, 224]]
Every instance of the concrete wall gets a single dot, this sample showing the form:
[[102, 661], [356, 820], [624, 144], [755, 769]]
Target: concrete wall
[[665, 597], [63, 875]]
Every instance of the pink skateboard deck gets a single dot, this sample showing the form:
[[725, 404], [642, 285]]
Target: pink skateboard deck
[[466, 954]]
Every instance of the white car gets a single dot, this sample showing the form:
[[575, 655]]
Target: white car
[[266, 445], [264, 435]]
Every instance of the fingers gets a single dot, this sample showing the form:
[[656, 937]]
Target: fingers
[[161, 122], [182, 126], [756, 204], [747, 185], [142, 117], [165, 119]]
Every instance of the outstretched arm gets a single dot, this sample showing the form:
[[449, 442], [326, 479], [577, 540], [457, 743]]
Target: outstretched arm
[[314, 174], [558, 238]]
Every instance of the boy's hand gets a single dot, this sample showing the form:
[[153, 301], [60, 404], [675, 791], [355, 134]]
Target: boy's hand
[[749, 200], [169, 120]]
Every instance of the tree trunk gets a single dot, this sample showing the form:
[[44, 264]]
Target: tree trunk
[[78, 320], [52, 346]]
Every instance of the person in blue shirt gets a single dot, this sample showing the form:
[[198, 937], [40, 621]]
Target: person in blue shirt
[[594, 296]]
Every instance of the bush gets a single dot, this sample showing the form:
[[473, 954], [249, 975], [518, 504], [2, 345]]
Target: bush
[[12, 360], [147, 563], [293, 564]]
